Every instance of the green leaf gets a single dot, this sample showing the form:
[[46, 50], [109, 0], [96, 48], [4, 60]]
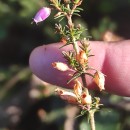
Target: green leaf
[[75, 76], [79, 8], [90, 55], [56, 17], [76, 14], [61, 19], [90, 74], [76, 10], [64, 46]]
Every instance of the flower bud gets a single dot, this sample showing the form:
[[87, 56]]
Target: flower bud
[[60, 66], [79, 26], [68, 96], [76, 1], [99, 79], [63, 40], [78, 88], [86, 99], [42, 14], [81, 57], [67, 1]]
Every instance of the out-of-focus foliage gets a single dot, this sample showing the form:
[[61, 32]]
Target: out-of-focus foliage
[[29, 104]]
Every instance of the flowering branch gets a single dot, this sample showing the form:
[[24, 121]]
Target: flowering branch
[[77, 59]]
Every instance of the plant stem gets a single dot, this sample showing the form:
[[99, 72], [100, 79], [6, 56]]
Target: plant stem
[[92, 121], [84, 80], [70, 24], [76, 48]]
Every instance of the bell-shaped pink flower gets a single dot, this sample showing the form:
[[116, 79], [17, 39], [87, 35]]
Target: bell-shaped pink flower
[[42, 14]]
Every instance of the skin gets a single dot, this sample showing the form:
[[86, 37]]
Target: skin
[[112, 59]]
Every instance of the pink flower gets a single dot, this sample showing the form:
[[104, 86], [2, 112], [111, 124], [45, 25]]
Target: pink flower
[[42, 14]]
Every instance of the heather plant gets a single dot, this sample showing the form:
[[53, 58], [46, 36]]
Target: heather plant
[[77, 60]]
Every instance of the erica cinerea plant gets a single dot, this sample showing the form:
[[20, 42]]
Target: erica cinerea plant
[[77, 60]]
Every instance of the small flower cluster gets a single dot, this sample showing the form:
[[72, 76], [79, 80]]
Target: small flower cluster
[[78, 96]]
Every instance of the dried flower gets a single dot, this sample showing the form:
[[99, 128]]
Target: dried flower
[[63, 39], [60, 66], [99, 79], [78, 97], [78, 88], [86, 99], [81, 57], [42, 14], [65, 95]]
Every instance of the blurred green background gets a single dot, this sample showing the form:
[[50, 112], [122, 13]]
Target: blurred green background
[[28, 104]]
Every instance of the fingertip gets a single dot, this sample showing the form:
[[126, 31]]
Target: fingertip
[[34, 60], [40, 62]]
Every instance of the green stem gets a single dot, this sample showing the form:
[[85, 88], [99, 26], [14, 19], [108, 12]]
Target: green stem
[[92, 121]]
